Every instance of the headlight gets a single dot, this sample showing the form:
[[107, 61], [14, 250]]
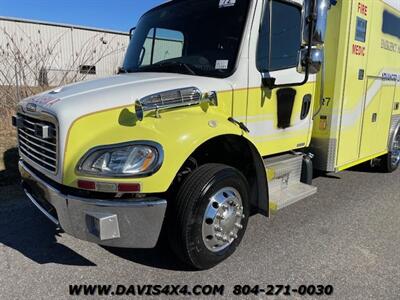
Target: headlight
[[126, 160]]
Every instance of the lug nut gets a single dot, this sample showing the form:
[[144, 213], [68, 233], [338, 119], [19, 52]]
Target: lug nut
[[239, 226], [218, 228], [233, 235], [221, 217], [219, 236]]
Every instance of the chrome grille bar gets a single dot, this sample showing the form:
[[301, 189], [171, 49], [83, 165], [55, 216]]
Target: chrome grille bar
[[29, 122], [36, 145], [30, 129], [36, 159], [35, 138], [37, 152]]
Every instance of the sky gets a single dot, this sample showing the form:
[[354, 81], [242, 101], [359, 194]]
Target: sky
[[118, 15]]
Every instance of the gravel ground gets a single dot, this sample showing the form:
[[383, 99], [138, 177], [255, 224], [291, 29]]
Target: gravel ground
[[347, 236]]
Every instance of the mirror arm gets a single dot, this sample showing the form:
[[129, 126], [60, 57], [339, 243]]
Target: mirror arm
[[269, 82]]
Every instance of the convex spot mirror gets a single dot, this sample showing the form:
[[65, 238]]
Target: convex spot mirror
[[314, 62]]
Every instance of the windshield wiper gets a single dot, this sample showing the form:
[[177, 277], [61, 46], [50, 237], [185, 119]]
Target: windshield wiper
[[188, 67], [168, 64]]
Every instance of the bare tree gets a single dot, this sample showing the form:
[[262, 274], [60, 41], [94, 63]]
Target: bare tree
[[33, 64]]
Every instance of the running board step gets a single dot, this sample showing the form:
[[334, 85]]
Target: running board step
[[292, 194], [284, 174]]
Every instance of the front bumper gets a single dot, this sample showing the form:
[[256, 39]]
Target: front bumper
[[119, 223]]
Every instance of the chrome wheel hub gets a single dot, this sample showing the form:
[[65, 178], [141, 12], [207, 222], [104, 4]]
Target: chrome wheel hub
[[396, 149], [222, 219]]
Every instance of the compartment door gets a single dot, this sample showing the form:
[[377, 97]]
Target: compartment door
[[350, 130], [378, 106]]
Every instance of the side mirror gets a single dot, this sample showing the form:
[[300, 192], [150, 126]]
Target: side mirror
[[314, 62], [317, 9]]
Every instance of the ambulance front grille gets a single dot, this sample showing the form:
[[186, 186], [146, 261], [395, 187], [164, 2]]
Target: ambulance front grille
[[32, 145]]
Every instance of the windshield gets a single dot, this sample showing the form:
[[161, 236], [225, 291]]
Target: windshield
[[189, 36]]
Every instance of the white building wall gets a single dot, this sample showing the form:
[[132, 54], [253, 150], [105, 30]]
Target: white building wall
[[26, 47]]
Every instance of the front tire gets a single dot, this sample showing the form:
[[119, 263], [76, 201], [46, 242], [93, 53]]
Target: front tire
[[209, 216]]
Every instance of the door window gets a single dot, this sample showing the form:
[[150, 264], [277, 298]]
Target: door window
[[280, 36]]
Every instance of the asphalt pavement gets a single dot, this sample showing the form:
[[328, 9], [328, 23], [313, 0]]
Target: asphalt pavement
[[347, 236]]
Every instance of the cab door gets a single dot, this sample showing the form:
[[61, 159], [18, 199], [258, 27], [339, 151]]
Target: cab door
[[279, 119]]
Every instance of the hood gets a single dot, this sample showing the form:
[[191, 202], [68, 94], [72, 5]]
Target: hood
[[71, 102], [75, 100]]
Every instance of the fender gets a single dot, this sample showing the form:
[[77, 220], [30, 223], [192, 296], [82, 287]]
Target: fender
[[179, 132]]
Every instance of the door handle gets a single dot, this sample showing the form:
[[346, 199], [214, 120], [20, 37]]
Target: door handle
[[374, 117], [305, 109]]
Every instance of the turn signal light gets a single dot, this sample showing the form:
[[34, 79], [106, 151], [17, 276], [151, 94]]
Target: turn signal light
[[129, 187], [87, 185], [109, 187]]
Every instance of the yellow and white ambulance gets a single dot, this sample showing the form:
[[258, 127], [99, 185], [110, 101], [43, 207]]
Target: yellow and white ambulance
[[222, 108]]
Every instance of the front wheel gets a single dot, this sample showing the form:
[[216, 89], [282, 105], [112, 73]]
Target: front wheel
[[208, 218]]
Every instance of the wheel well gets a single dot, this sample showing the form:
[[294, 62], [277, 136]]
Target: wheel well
[[392, 134], [237, 152]]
